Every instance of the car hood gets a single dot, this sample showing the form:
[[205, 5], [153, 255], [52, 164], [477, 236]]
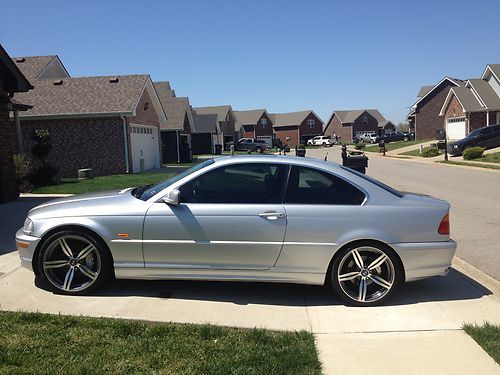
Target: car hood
[[114, 202]]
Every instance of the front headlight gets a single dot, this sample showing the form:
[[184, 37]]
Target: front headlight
[[455, 146], [28, 226]]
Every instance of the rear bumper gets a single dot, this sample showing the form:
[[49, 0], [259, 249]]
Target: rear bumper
[[422, 260], [26, 246]]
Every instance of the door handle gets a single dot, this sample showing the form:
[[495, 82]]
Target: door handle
[[271, 215]]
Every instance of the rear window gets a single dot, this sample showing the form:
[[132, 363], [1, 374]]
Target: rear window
[[391, 190]]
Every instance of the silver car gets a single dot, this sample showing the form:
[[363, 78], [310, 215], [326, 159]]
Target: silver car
[[245, 218]]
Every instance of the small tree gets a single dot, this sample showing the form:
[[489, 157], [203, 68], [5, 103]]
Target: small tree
[[44, 173]]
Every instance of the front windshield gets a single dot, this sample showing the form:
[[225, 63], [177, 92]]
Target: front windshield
[[156, 188], [474, 133]]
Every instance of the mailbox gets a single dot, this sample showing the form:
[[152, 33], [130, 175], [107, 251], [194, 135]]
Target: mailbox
[[440, 134]]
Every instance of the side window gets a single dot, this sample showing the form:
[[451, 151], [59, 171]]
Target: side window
[[311, 186], [240, 183]]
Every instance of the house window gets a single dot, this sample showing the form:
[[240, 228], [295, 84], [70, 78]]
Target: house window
[[263, 123], [310, 123], [365, 120]]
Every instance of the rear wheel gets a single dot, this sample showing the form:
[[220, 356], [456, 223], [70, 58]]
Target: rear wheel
[[73, 262], [365, 274]]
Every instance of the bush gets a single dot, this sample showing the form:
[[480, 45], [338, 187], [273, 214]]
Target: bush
[[472, 153], [23, 167], [44, 175], [360, 146], [430, 152]]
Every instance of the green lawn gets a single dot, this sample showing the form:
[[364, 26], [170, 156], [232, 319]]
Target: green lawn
[[491, 158], [488, 336], [120, 181], [469, 164], [393, 145], [34, 343]]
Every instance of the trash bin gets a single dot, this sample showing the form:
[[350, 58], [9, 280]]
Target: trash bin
[[218, 149], [355, 160], [300, 152]]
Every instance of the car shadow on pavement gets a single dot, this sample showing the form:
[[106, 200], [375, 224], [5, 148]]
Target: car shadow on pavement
[[456, 286]]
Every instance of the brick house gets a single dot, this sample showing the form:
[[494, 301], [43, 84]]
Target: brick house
[[474, 105], [213, 125], [346, 125], [11, 81], [255, 123], [424, 116], [294, 128], [176, 132], [108, 123]]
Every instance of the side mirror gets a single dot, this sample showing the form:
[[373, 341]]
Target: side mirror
[[172, 198]]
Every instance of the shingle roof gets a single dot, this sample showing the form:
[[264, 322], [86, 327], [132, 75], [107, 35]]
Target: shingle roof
[[13, 78], [84, 95], [495, 68], [424, 90], [486, 93], [205, 123], [220, 111], [467, 99], [32, 66], [290, 118], [349, 116], [176, 108], [250, 117]]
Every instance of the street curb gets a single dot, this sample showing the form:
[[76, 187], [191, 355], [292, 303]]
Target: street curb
[[478, 276]]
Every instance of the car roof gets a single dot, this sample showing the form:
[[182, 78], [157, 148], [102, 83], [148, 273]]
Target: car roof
[[285, 159]]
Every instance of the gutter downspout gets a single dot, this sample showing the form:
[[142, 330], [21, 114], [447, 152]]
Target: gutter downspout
[[177, 135], [125, 142], [19, 141]]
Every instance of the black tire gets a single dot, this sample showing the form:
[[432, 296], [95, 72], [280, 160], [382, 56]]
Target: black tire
[[349, 288], [258, 150], [88, 273], [324, 144]]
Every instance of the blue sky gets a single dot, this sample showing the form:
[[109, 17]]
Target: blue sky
[[281, 55]]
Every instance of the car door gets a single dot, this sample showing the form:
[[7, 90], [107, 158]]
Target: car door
[[320, 208], [230, 217]]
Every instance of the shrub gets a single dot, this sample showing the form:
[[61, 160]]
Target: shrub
[[359, 146], [472, 153], [430, 152], [23, 167], [44, 175]]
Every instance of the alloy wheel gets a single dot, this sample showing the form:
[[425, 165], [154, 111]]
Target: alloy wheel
[[71, 263], [366, 274]]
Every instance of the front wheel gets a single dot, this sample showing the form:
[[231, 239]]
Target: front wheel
[[73, 262], [365, 274], [258, 150], [405, 139]]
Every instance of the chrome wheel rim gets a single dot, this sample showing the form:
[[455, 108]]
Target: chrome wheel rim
[[71, 263], [366, 274]]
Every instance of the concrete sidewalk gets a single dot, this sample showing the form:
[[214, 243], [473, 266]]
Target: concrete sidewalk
[[406, 335]]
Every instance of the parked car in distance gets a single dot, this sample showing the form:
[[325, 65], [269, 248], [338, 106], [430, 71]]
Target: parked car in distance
[[408, 136], [251, 144], [368, 138], [320, 140], [392, 137], [248, 218], [487, 137]]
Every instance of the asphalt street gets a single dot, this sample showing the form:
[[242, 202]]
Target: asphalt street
[[472, 192]]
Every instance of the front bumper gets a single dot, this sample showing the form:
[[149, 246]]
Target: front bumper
[[422, 260], [26, 246]]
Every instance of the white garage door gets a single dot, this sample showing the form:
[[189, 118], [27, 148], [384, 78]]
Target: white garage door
[[267, 138], [144, 144], [455, 128]]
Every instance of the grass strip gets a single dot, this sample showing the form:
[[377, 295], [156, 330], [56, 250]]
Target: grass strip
[[34, 343], [468, 164], [487, 336]]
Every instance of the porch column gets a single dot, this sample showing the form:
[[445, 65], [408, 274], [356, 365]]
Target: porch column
[[487, 118], [19, 141]]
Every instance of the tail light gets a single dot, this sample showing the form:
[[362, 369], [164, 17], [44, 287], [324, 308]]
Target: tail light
[[444, 225]]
